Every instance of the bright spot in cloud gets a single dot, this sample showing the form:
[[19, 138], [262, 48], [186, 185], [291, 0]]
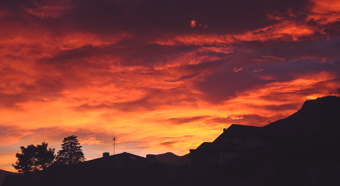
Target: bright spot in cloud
[[238, 69], [91, 141], [192, 23]]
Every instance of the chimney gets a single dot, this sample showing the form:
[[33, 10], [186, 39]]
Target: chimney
[[106, 155], [151, 158]]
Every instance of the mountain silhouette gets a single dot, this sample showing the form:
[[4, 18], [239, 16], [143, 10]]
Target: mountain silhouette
[[301, 149], [315, 116]]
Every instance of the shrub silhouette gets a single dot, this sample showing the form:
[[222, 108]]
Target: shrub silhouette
[[34, 158]]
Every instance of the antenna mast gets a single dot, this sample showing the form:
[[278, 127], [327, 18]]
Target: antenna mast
[[114, 144]]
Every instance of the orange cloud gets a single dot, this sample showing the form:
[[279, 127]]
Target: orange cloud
[[262, 100], [10, 140], [238, 69], [90, 141], [325, 11], [192, 23], [275, 17], [285, 30]]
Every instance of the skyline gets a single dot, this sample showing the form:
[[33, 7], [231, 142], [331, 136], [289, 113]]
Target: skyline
[[159, 76]]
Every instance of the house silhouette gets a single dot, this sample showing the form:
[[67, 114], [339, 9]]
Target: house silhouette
[[120, 169]]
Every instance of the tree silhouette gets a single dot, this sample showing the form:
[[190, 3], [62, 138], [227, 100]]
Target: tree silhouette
[[70, 152], [34, 158], [335, 92], [45, 157]]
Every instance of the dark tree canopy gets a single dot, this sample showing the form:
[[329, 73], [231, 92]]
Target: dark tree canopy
[[70, 152], [34, 158], [335, 92]]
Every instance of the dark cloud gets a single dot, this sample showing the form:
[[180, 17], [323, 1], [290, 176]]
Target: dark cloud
[[154, 99], [53, 134], [318, 88], [169, 143], [282, 107], [174, 16], [11, 100], [314, 49], [183, 120], [279, 63], [127, 53], [223, 84], [183, 78], [154, 17], [44, 89], [246, 119], [322, 87], [73, 55], [10, 130], [122, 106]]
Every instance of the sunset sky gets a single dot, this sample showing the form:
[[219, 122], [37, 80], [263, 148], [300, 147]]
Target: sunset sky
[[159, 75]]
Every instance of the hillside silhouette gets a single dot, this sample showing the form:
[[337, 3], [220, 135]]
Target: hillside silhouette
[[320, 115], [302, 149], [4, 174]]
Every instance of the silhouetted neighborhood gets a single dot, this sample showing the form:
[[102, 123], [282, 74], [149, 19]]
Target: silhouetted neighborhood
[[302, 149]]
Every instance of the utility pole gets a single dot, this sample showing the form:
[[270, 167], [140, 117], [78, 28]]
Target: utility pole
[[114, 144]]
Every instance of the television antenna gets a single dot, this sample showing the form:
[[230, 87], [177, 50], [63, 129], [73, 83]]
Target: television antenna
[[114, 145]]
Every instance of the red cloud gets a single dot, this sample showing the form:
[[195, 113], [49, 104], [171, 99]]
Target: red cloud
[[325, 11], [192, 23], [50, 8]]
